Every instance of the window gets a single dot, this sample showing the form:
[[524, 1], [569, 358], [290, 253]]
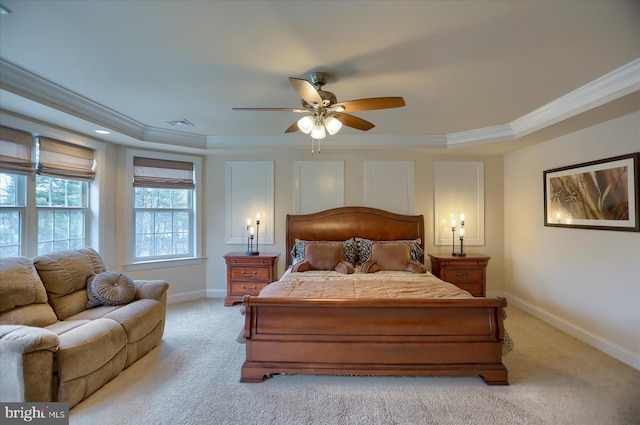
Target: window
[[12, 213], [63, 216], [49, 211], [163, 209]]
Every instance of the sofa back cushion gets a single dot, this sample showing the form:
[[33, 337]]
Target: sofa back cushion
[[23, 298], [64, 274]]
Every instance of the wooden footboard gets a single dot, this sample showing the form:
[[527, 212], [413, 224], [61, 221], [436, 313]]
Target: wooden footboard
[[374, 337]]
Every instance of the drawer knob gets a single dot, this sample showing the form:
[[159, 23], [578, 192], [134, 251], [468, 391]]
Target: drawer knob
[[463, 275], [249, 274], [254, 287]]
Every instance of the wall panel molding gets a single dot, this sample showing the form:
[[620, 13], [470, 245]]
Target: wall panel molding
[[458, 189], [249, 191], [317, 186]]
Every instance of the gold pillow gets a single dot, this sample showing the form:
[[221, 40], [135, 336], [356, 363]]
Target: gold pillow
[[392, 256], [324, 256]]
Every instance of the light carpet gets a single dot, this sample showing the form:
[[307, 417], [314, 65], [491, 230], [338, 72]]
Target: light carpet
[[193, 378]]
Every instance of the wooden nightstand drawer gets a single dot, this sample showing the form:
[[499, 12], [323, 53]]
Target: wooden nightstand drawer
[[463, 275], [474, 289], [247, 288], [468, 272], [250, 274]]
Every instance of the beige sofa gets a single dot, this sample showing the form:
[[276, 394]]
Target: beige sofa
[[54, 348]]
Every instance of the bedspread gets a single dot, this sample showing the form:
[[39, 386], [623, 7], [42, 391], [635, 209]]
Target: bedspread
[[381, 285]]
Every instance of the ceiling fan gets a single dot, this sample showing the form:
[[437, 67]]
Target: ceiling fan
[[324, 113]]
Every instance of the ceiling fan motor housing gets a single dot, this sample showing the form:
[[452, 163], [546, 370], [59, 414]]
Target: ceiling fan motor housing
[[328, 99]]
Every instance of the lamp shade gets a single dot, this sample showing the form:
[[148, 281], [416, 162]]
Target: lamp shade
[[318, 132], [305, 124], [333, 125]]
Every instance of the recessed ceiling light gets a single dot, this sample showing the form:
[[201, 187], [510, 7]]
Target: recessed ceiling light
[[103, 132]]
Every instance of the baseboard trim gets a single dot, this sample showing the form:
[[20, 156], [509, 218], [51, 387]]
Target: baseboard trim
[[186, 296], [596, 341]]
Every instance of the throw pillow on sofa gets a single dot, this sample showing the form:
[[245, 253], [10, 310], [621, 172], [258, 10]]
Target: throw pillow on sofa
[[109, 288]]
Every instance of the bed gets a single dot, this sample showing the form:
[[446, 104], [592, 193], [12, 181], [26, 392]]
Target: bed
[[319, 331]]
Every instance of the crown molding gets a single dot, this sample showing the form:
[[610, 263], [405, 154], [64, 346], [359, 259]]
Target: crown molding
[[480, 135], [618, 83], [31, 86], [173, 137], [351, 140], [24, 83]]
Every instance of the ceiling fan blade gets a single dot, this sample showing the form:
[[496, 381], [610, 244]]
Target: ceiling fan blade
[[292, 128], [299, 110], [355, 122], [306, 91], [371, 104]]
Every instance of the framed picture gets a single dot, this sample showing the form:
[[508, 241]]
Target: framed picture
[[594, 195]]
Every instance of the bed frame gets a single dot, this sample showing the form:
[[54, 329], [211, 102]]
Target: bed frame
[[371, 337]]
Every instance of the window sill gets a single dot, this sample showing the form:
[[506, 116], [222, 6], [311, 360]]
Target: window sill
[[162, 264]]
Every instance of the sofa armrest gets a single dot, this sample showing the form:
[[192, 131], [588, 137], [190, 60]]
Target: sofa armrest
[[151, 289], [26, 363], [25, 339]]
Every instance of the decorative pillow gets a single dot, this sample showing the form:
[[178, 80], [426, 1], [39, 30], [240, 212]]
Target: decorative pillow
[[349, 250], [364, 249], [109, 288], [392, 256], [323, 256]]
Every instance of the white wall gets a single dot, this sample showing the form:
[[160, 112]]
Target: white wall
[[586, 282], [354, 195]]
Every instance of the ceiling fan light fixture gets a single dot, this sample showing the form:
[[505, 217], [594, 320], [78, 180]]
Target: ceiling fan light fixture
[[318, 132], [305, 124], [332, 124]]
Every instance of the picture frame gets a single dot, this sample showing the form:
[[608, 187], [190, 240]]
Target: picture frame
[[600, 195]]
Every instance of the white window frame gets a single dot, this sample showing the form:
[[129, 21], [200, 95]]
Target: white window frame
[[133, 265], [94, 238], [22, 189], [85, 210]]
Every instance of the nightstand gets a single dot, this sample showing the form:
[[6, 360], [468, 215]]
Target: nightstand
[[248, 274], [468, 273]]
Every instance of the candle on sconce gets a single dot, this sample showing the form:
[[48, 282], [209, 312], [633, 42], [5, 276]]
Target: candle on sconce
[[251, 230], [460, 235], [248, 223], [257, 251]]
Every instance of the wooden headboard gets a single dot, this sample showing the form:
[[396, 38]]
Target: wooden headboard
[[339, 224]]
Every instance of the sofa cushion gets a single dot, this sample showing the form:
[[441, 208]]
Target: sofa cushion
[[23, 298], [64, 275], [94, 313], [138, 318], [86, 348], [109, 288]]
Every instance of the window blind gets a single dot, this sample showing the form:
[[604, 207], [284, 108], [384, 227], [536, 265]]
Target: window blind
[[63, 160], [15, 151], [161, 173]]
